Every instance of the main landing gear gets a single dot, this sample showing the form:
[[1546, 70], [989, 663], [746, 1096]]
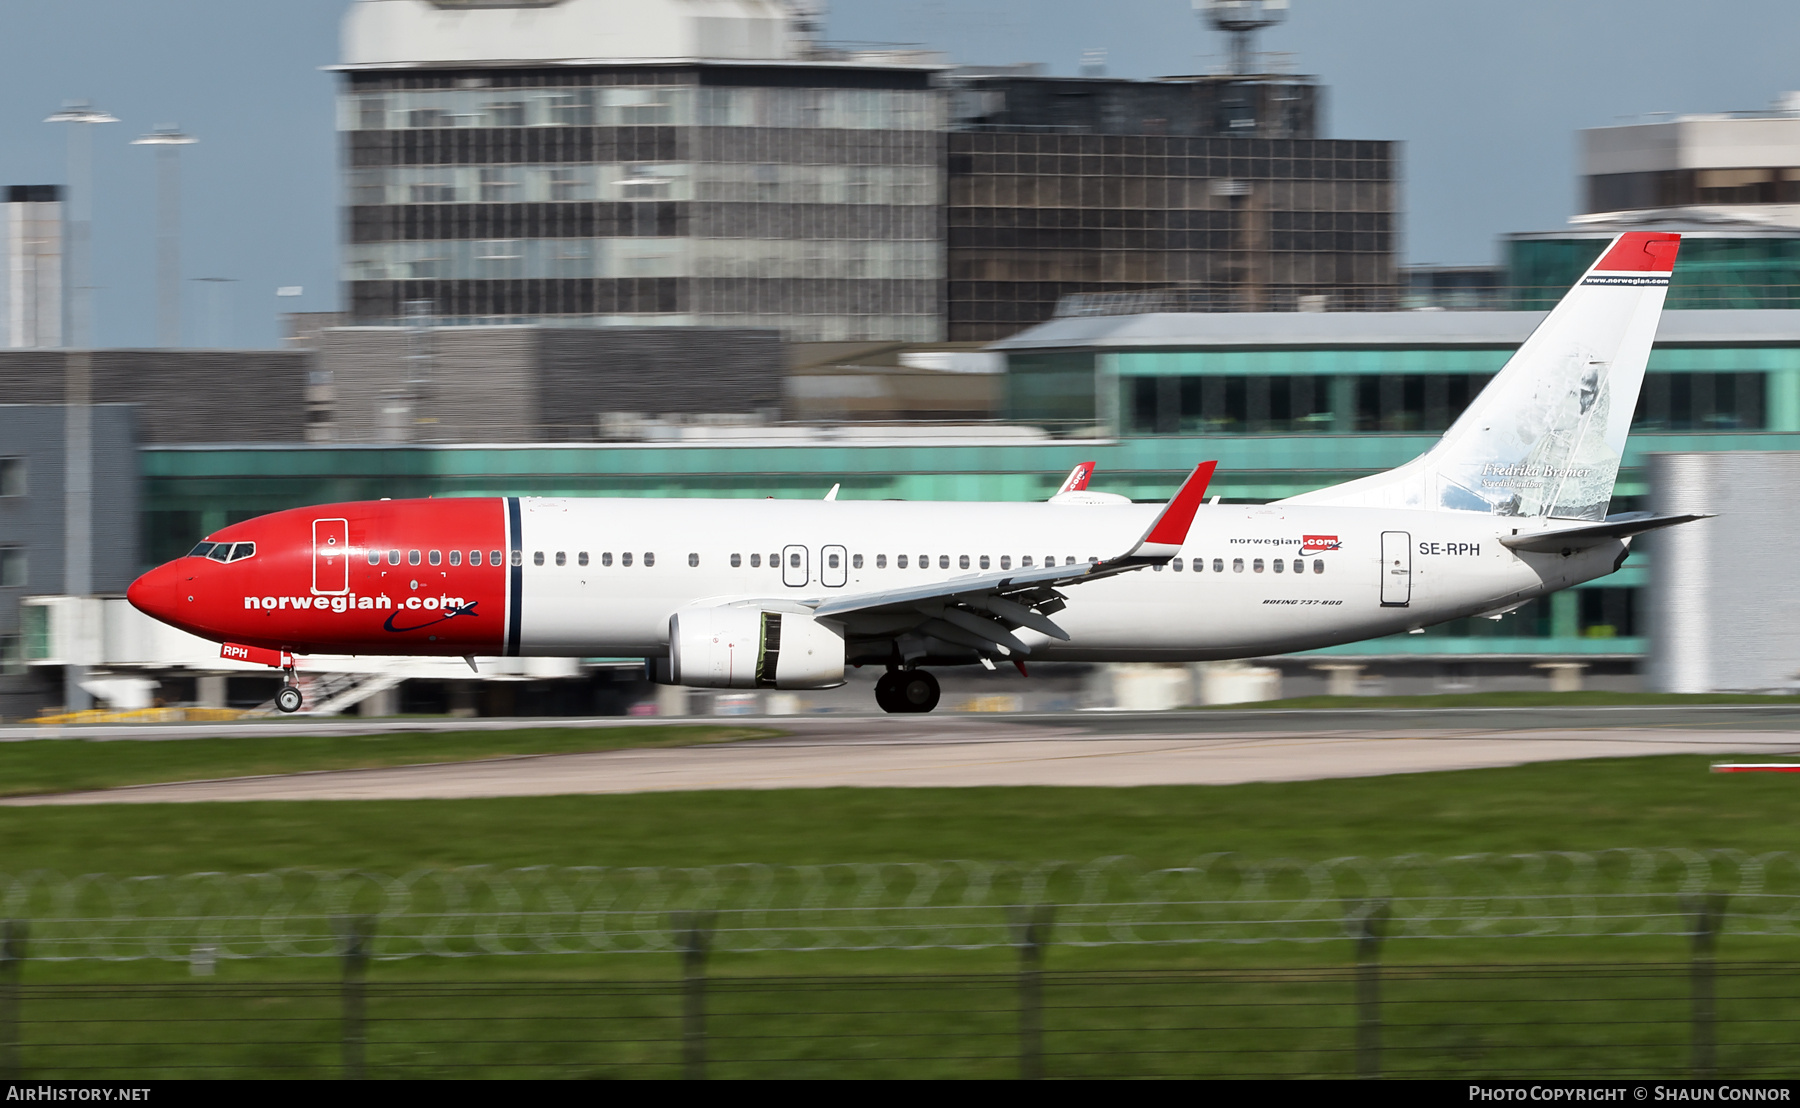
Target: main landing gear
[[906, 690], [289, 698]]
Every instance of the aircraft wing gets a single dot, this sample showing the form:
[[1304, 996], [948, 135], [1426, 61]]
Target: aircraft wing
[[982, 610], [1620, 526]]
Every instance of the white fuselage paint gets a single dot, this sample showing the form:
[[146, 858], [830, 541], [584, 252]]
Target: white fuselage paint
[[1457, 568]]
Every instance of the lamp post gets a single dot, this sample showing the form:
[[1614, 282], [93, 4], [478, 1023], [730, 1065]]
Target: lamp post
[[78, 445], [168, 140]]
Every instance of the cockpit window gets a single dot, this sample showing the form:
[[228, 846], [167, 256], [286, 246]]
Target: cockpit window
[[202, 550], [221, 552], [243, 550]]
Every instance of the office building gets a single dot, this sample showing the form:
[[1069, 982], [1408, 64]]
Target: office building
[[664, 163], [1216, 192]]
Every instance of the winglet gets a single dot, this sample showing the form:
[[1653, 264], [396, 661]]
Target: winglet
[[1171, 527]]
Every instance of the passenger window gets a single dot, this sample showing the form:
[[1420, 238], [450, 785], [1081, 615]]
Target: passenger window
[[537, 557], [1280, 566], [412, 557], [475, 558], [493, 557], [456, 557], [1219, 565], [435, 558], [1237, 565], [1257, 565], [1199, 565], [794, 560], [900, 562], [581, 559], [606, 558], [694, 560], [625, 558], [924, 561], [881, 561], [944, 561], [1175, 565], [518, 557], [1006, 561], [1318, 565], [856, 561], [1025, 562], [1157, 568], [1069, 561], [562, 558], [1299, 566], [774, 561], [831, 561], [649, 558], [393, 557], [374, 557], [737, 560], [962, 562], [756, 561]]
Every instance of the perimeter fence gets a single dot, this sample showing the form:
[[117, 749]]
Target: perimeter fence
[[1347, 1009], [953, 905]]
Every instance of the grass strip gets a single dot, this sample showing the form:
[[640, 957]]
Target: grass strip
[[37, 766], [1595, 804]]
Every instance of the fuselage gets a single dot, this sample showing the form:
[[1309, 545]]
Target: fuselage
[[602, 578]]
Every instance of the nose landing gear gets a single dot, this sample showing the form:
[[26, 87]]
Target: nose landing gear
[[902, 691]]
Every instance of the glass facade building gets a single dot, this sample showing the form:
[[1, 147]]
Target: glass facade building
[[802, 197], [1235, 224], [1219, 190]]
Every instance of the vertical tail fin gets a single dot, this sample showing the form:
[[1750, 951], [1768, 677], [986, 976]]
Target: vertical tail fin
[[1546, 436]]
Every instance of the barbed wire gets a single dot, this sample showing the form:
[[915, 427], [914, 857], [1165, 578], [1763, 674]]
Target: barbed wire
[[967, 905]]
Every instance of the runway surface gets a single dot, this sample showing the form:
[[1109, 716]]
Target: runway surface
[[1113, 749]]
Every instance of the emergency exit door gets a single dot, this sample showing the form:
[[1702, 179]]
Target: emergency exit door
[[1396, 569], [796, 567], [331, 557]]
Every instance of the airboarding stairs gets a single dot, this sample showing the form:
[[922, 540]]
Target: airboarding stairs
[[330, 694]]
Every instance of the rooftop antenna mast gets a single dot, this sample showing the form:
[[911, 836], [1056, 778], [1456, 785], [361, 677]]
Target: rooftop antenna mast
[[1241, 19]]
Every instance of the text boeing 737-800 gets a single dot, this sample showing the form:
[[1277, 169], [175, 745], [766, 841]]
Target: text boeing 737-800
[[1508, 506]]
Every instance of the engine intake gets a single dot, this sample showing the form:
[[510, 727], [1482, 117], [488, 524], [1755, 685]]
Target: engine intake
[[747, 648]]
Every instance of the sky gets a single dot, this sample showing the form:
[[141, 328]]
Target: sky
[[1486, 98]]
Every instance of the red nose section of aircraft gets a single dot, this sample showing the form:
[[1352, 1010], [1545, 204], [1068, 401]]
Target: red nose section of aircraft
[[389, 577]]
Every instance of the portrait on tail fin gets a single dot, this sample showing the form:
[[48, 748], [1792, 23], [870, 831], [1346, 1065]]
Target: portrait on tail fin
[[1547, 435]]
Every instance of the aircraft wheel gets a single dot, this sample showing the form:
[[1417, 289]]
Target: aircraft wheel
[[887, 692], [288, 699], [918, 691]]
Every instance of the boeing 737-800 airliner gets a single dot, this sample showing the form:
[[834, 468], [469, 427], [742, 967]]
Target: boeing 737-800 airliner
[[1509, 505]]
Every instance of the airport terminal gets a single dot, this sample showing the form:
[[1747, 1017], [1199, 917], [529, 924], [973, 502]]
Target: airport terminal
[[735, 260]]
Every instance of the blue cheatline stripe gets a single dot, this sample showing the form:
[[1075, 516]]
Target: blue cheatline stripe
[[515, 576]]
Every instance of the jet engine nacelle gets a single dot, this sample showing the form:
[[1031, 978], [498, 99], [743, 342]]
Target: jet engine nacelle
[[748, 648]]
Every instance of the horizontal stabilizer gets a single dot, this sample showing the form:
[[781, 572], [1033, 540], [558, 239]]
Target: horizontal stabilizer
[[1621, 526]]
